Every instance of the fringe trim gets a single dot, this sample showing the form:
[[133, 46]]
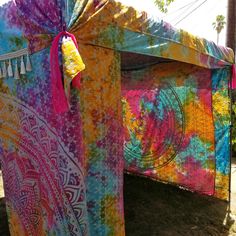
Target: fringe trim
[[6, 61]]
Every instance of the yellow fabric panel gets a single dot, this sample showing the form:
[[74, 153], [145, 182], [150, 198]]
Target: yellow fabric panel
[[222, 192], [100, 96], [72, 61], [196, 118]]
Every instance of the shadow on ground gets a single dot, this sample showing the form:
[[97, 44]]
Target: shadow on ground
[[3, 219], [156, 209], [153, 209]]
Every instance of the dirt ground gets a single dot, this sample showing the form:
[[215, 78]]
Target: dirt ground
[[233, 185], [153, 209], [3, 216]]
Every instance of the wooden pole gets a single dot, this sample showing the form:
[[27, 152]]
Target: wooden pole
[[231, 43], [231, 25]]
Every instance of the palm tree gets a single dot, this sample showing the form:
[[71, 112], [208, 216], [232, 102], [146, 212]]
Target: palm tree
[[163, 4], [219, 25]]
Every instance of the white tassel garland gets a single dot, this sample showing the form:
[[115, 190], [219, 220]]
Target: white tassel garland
[[15, 64]]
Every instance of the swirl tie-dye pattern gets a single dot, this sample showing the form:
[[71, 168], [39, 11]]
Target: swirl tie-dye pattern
[[177, 126]]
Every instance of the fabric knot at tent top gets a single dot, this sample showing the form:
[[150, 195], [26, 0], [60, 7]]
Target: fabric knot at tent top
[[44, 24]]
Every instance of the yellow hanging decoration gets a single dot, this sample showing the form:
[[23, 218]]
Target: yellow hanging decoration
[[72, 63]]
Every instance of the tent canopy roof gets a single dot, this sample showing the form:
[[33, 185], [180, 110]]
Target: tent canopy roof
[[110, 24], [125, 29]]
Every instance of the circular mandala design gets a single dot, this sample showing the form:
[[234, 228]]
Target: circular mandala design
[[159, 131], [40, 172]]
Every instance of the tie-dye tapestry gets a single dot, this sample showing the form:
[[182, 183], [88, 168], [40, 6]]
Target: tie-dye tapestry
[[176, 121], [61, 132], [60, 177]]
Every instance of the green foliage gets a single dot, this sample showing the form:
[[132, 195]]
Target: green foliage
[[163, 4], [219, 24]]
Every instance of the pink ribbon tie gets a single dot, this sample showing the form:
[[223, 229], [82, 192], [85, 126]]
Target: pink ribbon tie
[[59, 100]]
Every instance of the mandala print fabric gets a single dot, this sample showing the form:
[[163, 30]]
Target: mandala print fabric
[[42, 158], [60, 178], [170, 128]]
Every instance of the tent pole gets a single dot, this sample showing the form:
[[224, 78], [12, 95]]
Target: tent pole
[[231, 127], [231, 21]]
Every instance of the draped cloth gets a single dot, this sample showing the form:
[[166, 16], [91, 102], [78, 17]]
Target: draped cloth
[[72, 65], [62, 178]]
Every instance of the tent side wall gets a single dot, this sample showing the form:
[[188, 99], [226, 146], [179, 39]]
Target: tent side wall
[[70, 177], [177, 121]]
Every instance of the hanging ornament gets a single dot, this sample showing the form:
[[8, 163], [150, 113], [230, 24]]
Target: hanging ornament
[[4, 70], [28, 64], [9, 69], [16, 74], [22, 66]]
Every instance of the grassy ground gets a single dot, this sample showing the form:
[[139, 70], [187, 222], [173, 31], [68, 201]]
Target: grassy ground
[[153, 209]]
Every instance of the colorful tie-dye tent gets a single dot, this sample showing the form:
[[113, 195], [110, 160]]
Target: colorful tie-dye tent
[[141, 91]]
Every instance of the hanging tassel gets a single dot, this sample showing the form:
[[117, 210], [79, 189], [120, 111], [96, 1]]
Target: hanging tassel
[[9, 69], [28, 64], [16, 74], [4, 70], [22, 66], [1, 75]]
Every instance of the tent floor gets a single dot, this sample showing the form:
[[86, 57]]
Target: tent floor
[[153, 209]]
